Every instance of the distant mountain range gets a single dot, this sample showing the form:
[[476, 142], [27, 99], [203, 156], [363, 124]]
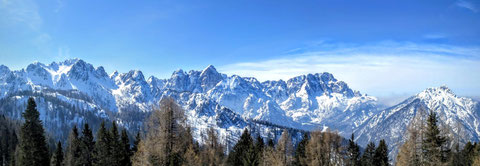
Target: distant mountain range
[[75, 92]]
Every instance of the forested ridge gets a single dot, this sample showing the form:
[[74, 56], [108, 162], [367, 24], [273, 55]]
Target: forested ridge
[[167, 140]]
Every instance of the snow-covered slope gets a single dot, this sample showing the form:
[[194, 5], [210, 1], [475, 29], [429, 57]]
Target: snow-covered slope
[[74, 92], [305, 102], [459, 114]]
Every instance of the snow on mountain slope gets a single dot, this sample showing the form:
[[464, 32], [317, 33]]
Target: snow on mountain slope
[[73, 92], [85, 92], [460, 114]]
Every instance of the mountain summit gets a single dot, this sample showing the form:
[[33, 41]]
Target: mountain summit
[[459, 114], [74, 91]]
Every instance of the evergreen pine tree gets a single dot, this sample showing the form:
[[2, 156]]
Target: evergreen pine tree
[[33, 146], [136, 142], [102, 147], [125, 151], [240, 152], [353, 152], [115, 146], [73, 148], [57, 157], [367, 157], [468, 153], [381, 154], [434, 144], [457, 158], [86, 147], [270, 143], [8, 140], [300, 151], [259, 147]]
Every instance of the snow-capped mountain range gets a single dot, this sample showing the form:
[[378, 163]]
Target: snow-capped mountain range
[[74, 92], [460, 117]]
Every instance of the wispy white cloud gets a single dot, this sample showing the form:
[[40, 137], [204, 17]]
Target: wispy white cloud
[[467, 5], [23, 12], [381, 68], [24, 16]]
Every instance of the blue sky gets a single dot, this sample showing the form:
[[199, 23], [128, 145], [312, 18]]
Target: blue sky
[[378, 47]]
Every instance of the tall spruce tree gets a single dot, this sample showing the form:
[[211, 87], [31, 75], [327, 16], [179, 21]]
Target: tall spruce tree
[[33, 146], [102, 147], [367, 157], [73, 148], [115, 146], [434, 143], [381, 154], [125, 152], [353, 152], [87, 145], [468, 153], [259, 148], [240, 152], [57, 157], [8, 140]]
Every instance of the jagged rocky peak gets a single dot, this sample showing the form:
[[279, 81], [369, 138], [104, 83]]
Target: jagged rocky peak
[[101, 71], [133, 76], [114, 74], [37, 69], [178, 73], [210, 77], [156, 82], [320, 84], [5, 73], [70, 62], [209, 70], [437, 91], [4, 69], [80, 70]]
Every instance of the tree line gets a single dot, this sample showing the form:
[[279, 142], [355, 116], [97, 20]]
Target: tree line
[[429, 144], [167, 140]]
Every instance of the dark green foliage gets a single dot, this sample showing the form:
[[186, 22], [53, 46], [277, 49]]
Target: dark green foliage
[[102, 147], [241, 153], [368, 156], [434, 144], [270, 143], [125, 152], [8, 140], [87, 145], [115, 146], [73, 148], [381, 154], [353, 152], [258, 150], [465, 156], [300, 151], [136, 142], [33, 146], [456, 157], [57, 157]]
